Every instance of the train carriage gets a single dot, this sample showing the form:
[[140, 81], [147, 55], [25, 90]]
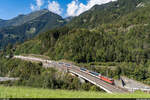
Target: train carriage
[[106, 79]]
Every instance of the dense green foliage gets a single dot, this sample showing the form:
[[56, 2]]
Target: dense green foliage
[[87, 46], [35, 75]]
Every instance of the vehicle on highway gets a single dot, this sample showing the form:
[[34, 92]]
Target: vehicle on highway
[[68, 65], [49, 61], [61, 63], [95, 74], [85, 70]]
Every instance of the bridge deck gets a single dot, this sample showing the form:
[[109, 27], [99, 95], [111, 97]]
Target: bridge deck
[[107, 87]]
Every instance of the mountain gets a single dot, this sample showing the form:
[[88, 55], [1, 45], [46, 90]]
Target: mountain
[[21, 19], [25, 27], [1, 20], [106, 13], [125, 39], [68, 19]]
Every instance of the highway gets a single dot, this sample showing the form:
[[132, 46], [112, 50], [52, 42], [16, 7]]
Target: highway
[[2, 79], [76, 70]]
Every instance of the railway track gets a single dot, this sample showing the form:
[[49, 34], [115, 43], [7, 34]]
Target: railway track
[[107, 87]]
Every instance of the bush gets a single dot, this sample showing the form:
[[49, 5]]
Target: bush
[[34, 75]]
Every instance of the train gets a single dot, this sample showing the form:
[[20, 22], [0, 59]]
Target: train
[[65, 64], [92, 73], [95, 74]]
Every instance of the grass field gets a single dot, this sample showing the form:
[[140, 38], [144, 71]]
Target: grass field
[[27, 92]]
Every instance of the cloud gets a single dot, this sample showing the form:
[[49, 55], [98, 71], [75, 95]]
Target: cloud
[[38, 5], [75, 8], [32, 7], [72, 8], [54, 7]]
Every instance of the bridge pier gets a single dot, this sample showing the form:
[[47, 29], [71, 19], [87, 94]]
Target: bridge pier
[[122, 82], [81, 79], [73, 74]]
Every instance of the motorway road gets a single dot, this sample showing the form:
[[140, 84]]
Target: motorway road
[[107, 87], [2, 79]]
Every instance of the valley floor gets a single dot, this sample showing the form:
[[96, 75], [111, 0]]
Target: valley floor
[[27, 92]]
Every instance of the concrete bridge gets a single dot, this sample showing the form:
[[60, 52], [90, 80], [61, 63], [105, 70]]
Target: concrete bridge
[[94, 80]]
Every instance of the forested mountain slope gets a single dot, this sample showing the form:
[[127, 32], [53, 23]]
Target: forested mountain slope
[[126, 39], [106, 13]]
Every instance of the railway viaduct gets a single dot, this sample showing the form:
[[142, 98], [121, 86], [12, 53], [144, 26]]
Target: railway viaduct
[[75, 70]]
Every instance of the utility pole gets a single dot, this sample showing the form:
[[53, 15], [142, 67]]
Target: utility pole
[[67, 70], [107, 72], [93, 67]]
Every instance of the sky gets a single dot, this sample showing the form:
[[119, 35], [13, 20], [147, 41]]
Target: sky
[[65, 8]]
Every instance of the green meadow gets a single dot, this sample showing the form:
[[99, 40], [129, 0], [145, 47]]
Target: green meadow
[[27, 92]]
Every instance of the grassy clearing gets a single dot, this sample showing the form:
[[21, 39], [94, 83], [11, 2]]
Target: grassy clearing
[[27, 92]]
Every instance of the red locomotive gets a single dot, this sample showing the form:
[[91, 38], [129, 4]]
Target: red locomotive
[[106, 79]]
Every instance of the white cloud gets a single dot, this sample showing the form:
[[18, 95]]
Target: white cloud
[[75, 8], [72, 8], [38, 5], [32, 7], [54, 7]]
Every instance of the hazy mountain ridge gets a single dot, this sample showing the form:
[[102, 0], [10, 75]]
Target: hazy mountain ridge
[[68, 19], [21, 19], [33, 24]]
